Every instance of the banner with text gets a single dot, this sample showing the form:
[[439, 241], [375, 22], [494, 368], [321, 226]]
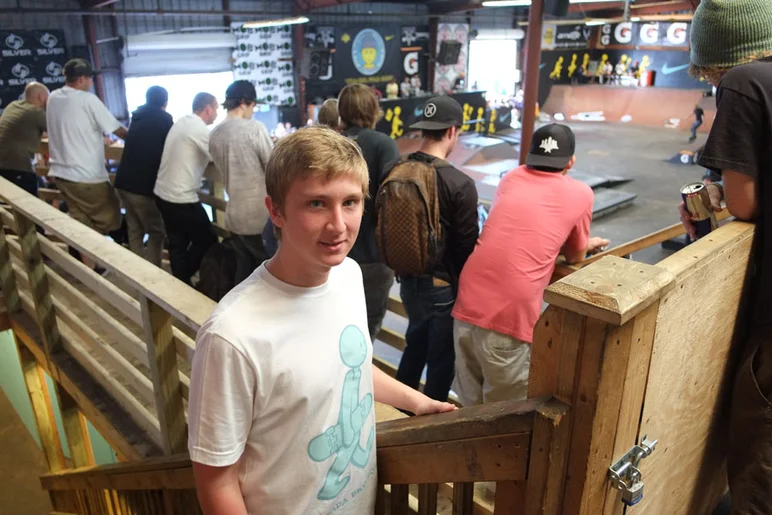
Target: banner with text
[[263, 56], [670, 67], [27, 56], [645, 34], [565, 36], [367, 55]]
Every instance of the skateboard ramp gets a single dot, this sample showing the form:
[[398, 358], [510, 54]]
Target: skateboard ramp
[[654, 107]]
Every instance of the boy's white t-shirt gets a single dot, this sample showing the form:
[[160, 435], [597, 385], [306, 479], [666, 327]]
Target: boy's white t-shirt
[[282, 380]]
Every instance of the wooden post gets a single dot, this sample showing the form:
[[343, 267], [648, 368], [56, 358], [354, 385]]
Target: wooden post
[[531, 77], [583, 345], [427, 499], [34, 378], [7, 278], [162, 355], [463, 498], [434, 25], [38, 282], [76, 429]]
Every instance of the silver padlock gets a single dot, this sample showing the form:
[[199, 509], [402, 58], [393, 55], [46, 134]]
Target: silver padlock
[[631, 495]]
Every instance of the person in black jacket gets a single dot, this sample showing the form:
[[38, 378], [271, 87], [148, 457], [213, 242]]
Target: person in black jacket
[[138, 171], [359, 111], [429, 299]]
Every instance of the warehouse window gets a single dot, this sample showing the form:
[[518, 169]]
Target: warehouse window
[[181, 88], [493, 66]]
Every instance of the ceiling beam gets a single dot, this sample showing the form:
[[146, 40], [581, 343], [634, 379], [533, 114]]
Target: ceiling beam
[[600, 6], [96, 4], [442, 8], [662, 8]]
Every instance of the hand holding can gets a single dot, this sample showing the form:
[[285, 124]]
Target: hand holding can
[[699, 208]]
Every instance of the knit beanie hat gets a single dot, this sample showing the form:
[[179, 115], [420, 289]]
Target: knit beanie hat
[[726, 32]]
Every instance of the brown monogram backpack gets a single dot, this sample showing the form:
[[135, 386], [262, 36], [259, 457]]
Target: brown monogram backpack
[[408, 231]]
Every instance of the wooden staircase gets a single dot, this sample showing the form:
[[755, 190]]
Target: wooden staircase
[[607, 367]]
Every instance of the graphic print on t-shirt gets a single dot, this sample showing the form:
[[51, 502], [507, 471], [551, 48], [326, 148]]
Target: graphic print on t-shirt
[[343, 439]]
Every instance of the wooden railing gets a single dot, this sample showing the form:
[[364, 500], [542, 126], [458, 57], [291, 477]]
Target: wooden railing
[[214, 198], [624, 350], [441, 456]]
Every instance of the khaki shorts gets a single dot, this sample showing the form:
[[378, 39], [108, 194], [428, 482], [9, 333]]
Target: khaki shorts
[[94, 205], [490, 366]]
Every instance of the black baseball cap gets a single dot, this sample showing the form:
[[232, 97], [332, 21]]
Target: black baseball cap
[[440, 113], [241, 90], [75, 68], [552, 146]]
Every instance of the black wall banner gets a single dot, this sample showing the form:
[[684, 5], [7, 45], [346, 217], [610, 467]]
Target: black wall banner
[[365, 55], [409, 58], [645, 34], [670, 67], [400, 114], [27, 56]]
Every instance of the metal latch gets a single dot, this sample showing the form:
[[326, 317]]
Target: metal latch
[[624, 474]]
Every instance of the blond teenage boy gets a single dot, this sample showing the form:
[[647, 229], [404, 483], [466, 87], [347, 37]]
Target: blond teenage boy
[[282, 389]]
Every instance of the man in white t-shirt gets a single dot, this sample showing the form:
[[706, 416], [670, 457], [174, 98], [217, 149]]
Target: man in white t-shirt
[[240, 148], [282, 388], [77, 123], [186, 154]]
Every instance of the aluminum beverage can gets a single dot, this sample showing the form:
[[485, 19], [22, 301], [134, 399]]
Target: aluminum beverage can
[[697, 202]]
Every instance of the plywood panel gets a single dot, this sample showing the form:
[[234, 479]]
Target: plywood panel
[[688, 375]]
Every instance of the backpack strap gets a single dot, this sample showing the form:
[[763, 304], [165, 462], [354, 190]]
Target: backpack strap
[[436, 162]]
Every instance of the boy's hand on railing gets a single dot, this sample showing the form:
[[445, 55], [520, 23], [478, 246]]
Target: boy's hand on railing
[[428, 406], [595, 245]]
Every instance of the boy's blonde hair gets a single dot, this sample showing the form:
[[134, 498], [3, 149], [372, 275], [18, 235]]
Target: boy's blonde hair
[[313, 152], [328, 114]]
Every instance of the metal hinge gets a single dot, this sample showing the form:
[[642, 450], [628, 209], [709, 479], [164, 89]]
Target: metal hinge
[[624, 473]]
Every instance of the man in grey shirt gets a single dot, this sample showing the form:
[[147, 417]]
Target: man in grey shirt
[[240, 147]]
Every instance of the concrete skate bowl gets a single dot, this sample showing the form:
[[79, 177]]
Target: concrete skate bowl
[[653, 107]]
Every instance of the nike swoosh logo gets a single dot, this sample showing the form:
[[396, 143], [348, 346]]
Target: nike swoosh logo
[[389, 38], [666, 70], [542, 65]]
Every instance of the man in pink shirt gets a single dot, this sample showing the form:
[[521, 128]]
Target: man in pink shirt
[[538, 212]]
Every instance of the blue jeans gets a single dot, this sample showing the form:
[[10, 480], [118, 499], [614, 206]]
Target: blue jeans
[[695, 126], [429, 336]]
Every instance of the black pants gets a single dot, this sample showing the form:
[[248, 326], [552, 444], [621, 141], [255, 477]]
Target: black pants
[[189, 233], [24, 180], [250, 254], [429, 336]]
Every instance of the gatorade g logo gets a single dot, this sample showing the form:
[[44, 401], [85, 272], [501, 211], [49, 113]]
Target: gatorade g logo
[[676, 33], [605, 35], [649, 33], [623, 32], [48, 40], [410, 63], [20, 71], [14, 42]]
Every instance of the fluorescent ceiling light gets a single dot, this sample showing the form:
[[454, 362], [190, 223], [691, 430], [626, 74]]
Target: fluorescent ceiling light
[[635, 18], [525, 3], [275, 23], [507, 3], [592, 23]]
